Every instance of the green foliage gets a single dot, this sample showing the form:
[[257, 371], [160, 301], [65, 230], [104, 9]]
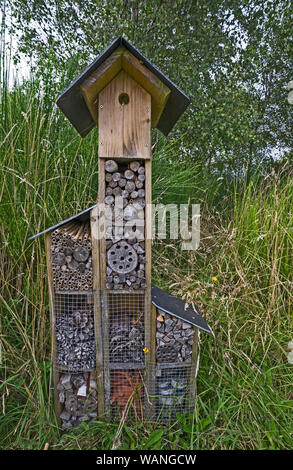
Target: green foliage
[[244, 383], [233, 59]]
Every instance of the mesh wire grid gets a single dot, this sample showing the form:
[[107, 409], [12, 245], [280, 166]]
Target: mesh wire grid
[[74, 332], [174, 392], [124, 329], [155, 393]]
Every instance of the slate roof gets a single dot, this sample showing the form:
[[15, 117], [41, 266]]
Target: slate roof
[[178, 308], [82, 216]]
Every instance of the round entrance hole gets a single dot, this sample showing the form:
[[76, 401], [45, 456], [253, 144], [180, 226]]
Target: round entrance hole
[[123, 99]]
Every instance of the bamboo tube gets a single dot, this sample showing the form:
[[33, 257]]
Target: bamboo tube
[[72, 229], [69, 225]]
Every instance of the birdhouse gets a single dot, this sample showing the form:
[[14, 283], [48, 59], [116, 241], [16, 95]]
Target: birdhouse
[[120, 344]]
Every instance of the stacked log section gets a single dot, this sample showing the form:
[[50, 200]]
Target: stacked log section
[[78, 399], [74, 332], [126, 339], [71, 257], [174, 339], [125, 234]]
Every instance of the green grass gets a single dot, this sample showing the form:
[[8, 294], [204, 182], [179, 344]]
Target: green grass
[[245, 396]]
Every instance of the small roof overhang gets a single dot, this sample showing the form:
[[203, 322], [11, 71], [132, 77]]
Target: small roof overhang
[[73, 104], [82, 216], [178, 308]]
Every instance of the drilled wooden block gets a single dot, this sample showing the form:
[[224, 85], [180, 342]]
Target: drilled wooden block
[[122, 258]]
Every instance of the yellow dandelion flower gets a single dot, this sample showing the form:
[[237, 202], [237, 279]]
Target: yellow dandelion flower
[[145, 350], [214, 278]]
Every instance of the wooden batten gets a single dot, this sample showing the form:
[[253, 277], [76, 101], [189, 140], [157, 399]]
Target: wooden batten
[[102, 240], [151, 360], [104, 312], [124, 129], [56, 374], [148, 222], [97, 310]]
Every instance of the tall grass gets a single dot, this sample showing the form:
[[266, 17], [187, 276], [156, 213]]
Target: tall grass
[[245, 384]]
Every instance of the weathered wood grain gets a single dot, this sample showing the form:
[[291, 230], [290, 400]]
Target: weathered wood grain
[[124, 130], [56, 374], [97, 310]]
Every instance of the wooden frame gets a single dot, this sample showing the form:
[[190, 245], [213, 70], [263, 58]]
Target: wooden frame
[[56, 374], [94, 218]]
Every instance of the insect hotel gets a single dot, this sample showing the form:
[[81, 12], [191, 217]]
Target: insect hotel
[[120, 344]]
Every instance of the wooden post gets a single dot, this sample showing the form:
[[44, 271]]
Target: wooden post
[[150, 379], [56, 374], [97, 308], [124, 117]]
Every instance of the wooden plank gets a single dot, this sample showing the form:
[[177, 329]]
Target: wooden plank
[[106, 356], [125, 366], [150, 400], [153, 329], [124, 130], [142, 75], [97, 310], [148, 224], [56, 374], [102, 240], [173, 365], [150, 310]]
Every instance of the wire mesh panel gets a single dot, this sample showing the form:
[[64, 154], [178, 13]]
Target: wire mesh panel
[[78, 398], [174, 339], [174, 392], [74, 332], [127, 393], [124, 321]]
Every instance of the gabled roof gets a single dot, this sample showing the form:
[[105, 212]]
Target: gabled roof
[[177, 308], [73, 105]]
